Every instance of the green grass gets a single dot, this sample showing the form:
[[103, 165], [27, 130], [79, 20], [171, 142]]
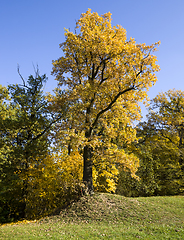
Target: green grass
[[107, 216]]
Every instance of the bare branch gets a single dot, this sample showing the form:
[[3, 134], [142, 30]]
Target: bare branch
[[18, 70], [36, 70]]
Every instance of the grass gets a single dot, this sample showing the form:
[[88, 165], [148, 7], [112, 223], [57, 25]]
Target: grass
[[107, 216]]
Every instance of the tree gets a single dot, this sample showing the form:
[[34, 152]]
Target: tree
[[160, 148], [24, 126], [54, 184], [7, 176], [102, 76], [167, 114]]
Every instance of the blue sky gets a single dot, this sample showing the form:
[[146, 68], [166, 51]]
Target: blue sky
[[31, 31]]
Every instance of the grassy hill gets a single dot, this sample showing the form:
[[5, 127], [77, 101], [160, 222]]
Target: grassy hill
[[107, 216]]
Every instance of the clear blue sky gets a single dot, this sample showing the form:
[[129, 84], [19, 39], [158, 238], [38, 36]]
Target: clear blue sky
[[31, 31]]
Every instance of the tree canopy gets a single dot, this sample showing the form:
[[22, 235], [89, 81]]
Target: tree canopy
[[25, 121], [103, 76], [160, 149]]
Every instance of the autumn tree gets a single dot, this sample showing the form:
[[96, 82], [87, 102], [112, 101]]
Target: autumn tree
[[102, 76], [160, 149], [167, 114]]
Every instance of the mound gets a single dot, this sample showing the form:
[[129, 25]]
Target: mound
[[111, 208]]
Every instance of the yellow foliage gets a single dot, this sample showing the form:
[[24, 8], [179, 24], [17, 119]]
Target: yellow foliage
[[49, 182], [102, 76], [71, 166]]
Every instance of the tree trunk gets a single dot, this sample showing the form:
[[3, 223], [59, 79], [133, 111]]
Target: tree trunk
[[181, 135], [87, 170]]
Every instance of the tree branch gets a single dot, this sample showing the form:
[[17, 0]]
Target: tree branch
[[110, 104], [46, 129], [18, 70]]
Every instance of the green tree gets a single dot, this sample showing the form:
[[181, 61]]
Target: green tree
[[24, 126], [104, 75]]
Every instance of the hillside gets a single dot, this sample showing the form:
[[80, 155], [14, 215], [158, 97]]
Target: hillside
[[116, 208], [108, 216]]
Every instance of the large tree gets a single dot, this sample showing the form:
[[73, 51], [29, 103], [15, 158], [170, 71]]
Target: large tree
[[102, 76]]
